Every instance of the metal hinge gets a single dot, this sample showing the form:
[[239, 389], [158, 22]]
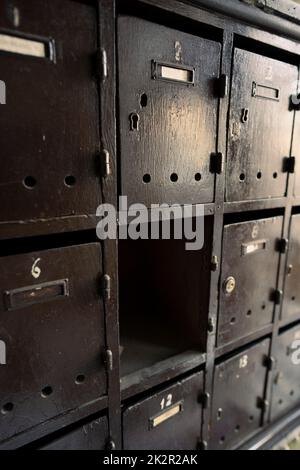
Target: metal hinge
[[223, 86], [262, 404], [102, 70], [204, 400], [269, 362], [216, 163], [109, 359], [282, 245], [106, 287], [295, 102], [105, 163], [214, 263], [289, 164], [277, 296]]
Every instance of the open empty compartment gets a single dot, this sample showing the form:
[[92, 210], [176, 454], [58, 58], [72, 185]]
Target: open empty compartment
[[164, 295]]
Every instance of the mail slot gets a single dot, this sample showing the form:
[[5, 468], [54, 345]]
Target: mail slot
[[92, 435], [238, 394], [285, 388], [52, 324], [169, 419], [50, 122], [249, 264], [260, 126], [168, 113]]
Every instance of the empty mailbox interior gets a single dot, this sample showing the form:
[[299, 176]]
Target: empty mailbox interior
[[168, 113], [164, 293], [239, 387], [169, 419], [55, 342], [260, 126], [50, 123], [251, 258]]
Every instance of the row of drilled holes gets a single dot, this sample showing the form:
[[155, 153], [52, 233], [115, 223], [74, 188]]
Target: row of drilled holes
[[173, 177], [258, 176], [236, 429], [45, 392], [280, 401], [248, 314], [30, 182]]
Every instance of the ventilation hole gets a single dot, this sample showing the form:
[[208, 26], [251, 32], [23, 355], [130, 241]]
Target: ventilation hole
[[174, 177], [144, 100], [249, 313], [259, 175], [7, 408], [242, 177], [292, 393], [46, 391], [293, 298], [198, 176], [232, 321], [146, 178], [263, 307], [251, 418], [275, 174], [80, 379], [29, 182], [237, 428], [219, 414], [70, 180], [222, 440], [280, 402]]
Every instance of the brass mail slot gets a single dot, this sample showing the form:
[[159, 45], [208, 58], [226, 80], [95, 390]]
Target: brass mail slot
[[173, 73], [263, 91], [24, 46], [166, 414], [30, 295], [253, 247]]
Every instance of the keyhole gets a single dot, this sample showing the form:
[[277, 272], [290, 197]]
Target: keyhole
[[245, 115], [134, 119]]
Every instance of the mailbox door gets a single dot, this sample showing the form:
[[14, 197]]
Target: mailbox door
[[168, 420], [52, 324], [250, 265], [90, 436], [50, 122], [239, 384], [260, 126], [168, 113], [291, 301], [286, 386]]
